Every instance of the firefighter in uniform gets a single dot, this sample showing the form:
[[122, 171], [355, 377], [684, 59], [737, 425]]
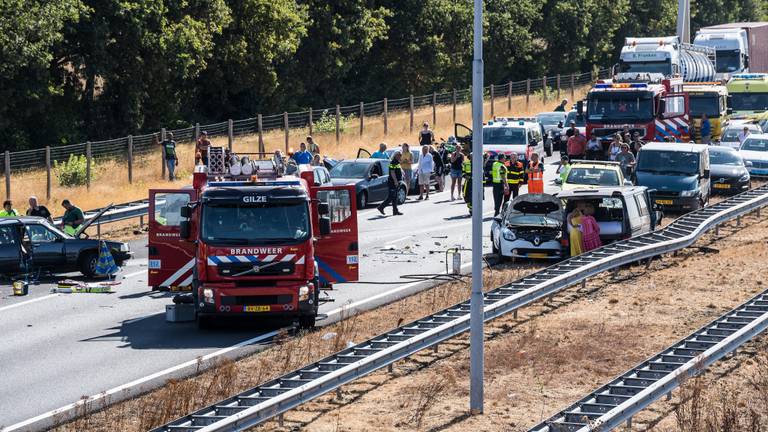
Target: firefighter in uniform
[[515, 174], [535, 173], [499, 181]]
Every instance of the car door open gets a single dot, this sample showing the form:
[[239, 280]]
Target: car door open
[[336, 252], [171, 257]]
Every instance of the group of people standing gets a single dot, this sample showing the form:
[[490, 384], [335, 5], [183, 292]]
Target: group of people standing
[[71, 220]]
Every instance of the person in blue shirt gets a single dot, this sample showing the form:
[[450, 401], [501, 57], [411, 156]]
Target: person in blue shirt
[[382, 153], [302, 157], [706, 130]]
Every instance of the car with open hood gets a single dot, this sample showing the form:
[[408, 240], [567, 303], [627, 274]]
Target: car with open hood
[[530, 226], [30, 244]]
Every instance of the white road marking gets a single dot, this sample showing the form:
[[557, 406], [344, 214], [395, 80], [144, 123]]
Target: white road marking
[[34, 300], [392, 242], [130, 275]]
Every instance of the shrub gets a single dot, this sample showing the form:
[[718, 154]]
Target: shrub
[[327, 122], [72, 172]]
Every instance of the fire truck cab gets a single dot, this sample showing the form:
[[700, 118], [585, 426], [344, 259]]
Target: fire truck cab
[[650, 104], [260, 245]]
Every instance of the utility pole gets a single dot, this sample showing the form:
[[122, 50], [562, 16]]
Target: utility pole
[[476, 299], [684, 20]]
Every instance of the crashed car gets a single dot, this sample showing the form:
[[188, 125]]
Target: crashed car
[[530, 226], [30, 243]]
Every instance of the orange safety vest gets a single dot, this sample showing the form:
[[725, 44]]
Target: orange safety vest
[[535, 179]]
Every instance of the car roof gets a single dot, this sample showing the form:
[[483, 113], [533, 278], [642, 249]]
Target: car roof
[[20, 219], [602, 191], [675, 147], [722, 149], [757, 136], [602, 164], [363, 160], [562, 113]]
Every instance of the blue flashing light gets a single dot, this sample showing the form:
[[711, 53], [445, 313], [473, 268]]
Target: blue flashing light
[[602, 86], [750, 76], [639, 85]]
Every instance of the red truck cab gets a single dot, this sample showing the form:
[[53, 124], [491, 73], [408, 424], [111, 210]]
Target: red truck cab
[[261, 247]]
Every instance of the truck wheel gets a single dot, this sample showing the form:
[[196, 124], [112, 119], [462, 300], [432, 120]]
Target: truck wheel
[[362, 200], [88, 262]]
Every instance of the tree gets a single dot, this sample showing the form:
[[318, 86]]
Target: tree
[[512, 42]]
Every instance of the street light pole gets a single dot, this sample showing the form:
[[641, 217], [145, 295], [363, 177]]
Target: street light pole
[[476, 299]]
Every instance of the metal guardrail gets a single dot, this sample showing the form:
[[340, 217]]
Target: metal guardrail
[[119, 212], [616, 402], [279, 395]]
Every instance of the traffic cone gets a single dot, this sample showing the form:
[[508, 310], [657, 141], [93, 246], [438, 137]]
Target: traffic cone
[[106, 265]]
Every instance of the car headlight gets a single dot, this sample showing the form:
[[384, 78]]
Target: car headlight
[[508, 234], [124, 247], [208, 295], [689, 193], [303, 293], [744, 178], [559, 235]]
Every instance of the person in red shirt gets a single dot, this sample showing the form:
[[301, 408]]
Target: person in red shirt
[[577, 146]]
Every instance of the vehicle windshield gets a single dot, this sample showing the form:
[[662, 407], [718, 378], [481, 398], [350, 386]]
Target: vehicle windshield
[[749, 101], [705, 104], [232, 223], [668, 162], [350, 169], [504, 135], [525, 219], [724, 158], [549, 119], [662, 67], [573, 116], [755, 144], [622, 106], [728, 61], [593, 177], [730, 135]]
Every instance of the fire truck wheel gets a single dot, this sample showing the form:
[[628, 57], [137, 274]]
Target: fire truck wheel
[[88, 262]]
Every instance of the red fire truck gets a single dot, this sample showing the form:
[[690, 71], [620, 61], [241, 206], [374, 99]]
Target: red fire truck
[[650, 104], [260, 245]]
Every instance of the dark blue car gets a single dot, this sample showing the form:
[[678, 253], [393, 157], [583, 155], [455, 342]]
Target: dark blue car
[[369, 177]]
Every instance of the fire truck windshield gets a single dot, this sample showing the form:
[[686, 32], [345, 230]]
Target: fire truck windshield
[[705, 104], [231, 223], [607, 107]]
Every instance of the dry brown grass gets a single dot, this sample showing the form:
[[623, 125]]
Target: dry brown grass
[[110, 179]]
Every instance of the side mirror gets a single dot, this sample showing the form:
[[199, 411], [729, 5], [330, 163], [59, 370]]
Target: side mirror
[[184, 229], [323, 209], [560, 124], [325, 225], [186, 212], [374, 176], [532, 143], [558, 181], [748, 164], [706, 174]]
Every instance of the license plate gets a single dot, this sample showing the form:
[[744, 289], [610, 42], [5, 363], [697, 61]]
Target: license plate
[[537, 255], [664, 202], [256, 308], [722, 186]]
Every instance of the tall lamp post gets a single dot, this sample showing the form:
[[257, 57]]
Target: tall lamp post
[[476, 299]]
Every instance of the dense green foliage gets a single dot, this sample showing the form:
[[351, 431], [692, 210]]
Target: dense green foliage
[[72, 172], [93, 69]]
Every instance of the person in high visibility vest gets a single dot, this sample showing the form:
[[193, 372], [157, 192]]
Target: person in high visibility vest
[[515, 174], [535, 173], [466, 170], [499, 181], [565, 169], [8, 210], [73, 217]]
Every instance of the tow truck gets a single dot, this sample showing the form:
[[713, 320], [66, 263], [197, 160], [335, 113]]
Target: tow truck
[[647, 103], [262, 245]]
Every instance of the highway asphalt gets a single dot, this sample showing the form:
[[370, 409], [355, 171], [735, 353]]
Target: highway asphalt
[[57, 348]]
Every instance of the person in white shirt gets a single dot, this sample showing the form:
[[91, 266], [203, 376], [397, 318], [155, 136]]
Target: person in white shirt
[[426, 166], [743, 135]]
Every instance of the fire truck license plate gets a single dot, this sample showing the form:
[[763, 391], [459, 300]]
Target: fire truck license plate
[[256, 308], [664, 202]]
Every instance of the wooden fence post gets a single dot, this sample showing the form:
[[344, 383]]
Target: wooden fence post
[[544, 87], [7, 174], [410, 108], [493, 95], [261, 133], [47, 172], [130, 159], [386, 128], [287, 130], [527, 92], [558, 86], [197, 132], [573, 87], [362, 115], [88, 165], [509, 96], [230, 134], [338, 122], [434, 109], [310, 121], [162, 151], [454, 106]]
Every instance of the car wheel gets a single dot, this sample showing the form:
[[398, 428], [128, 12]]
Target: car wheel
[[362, 200], [494, 249], [401, 195], [548, 149], [88, 263]]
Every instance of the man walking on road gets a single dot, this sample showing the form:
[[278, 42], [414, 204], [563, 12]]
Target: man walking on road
[[426, 166], [499, 181], [706, 130], [169, 151], [577, 146], [515, 174], [393, 182], [38, 210]]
